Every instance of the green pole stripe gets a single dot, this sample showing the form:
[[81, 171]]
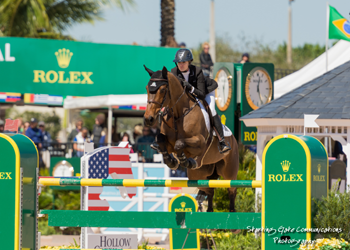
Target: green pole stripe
[[112, 182], [70, 182], [154, 183], [241, 183], [199, 183]]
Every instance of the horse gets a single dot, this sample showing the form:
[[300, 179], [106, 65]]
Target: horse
[[184, 138]]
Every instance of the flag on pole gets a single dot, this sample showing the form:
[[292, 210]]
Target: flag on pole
[[104, 163], [339, 27], [310, 122]]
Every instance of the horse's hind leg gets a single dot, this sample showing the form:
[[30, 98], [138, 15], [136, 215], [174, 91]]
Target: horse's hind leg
[[210, 196], [232, 195], [210, 200], [169, 159]]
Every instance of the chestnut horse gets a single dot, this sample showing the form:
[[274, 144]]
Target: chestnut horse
[[183, 134]]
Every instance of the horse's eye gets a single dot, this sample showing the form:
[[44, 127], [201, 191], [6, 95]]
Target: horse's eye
[[162, 91]]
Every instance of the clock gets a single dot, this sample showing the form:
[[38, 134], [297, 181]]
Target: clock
[[258, 87], [63, 169], [223, 93]]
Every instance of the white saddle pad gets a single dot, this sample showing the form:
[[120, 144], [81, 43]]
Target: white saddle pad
[[227, 131]]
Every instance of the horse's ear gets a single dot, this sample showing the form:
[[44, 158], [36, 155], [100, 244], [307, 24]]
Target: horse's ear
[[165, 73], [150, 72]]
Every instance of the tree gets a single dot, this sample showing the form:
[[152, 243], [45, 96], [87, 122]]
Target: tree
[[227, 51], [167, 23], [48, 18]]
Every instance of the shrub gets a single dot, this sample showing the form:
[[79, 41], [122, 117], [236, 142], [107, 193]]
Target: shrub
[[334, 212], [229, 241], [327, 244]]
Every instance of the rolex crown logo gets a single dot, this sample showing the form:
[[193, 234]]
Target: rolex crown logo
[[285, 165], [63, 57], [183, 204], [319, 168]]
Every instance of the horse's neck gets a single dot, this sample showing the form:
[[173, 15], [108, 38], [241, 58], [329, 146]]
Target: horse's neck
[[179, 100]]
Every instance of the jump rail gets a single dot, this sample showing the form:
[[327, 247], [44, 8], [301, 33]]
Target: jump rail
[[149, 183]]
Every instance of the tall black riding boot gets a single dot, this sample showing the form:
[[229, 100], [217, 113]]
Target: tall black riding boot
[[223, 146]]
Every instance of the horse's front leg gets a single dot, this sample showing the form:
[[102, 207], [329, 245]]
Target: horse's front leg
[[169, 159], [193, 146]]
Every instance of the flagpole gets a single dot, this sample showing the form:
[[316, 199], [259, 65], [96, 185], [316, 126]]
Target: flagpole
[[327, 37]]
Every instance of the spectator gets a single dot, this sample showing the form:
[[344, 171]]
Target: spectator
[[245, 58], [97, 130], [26, 126], [2, 126], [155, 130], [179, 172], [182, 45], [205, 59], [137, 132], [79, 140], [143, 144], [34, 133], [46, 135], [146, 137], [20, 126], [104, 137], [126, 138], [74, 132]]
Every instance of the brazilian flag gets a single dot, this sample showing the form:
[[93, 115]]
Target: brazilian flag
[[339, 27]]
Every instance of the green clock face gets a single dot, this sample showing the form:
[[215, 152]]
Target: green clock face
[[258, 87], [224, 91]]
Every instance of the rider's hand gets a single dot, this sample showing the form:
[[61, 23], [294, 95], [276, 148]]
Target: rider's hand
[[187, 85]]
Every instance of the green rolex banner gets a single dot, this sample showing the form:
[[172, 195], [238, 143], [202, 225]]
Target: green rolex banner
[[339, 27]]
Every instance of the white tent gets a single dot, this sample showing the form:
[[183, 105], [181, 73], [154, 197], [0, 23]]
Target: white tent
[[337, 55], [105, 101]]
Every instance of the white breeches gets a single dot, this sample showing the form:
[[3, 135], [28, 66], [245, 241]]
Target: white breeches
[[210, 99]]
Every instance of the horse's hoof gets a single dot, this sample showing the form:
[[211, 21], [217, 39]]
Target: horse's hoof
[[173, 167], [192, 164], [174, 164]]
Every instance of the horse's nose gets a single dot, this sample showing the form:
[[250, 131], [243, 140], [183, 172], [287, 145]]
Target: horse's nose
[[149, 121]]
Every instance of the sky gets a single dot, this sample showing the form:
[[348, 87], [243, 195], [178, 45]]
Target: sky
[[266, 21]]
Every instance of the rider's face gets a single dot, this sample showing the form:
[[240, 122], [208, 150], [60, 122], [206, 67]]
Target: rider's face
[[183, 66]]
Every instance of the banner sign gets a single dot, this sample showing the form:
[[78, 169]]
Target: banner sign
[[112, 241], [61, 68]]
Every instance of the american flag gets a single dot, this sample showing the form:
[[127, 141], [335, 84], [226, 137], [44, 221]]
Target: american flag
[[107, 162]]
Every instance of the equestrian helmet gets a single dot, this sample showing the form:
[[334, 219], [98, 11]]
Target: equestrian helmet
[[183, 55]]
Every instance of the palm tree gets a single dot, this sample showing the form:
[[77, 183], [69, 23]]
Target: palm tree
[[48, 18], [167, 26]]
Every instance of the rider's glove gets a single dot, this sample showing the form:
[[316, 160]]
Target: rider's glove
[[187, 85]]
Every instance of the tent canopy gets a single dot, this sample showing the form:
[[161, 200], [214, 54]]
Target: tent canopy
[[337, 55], [103, 101]]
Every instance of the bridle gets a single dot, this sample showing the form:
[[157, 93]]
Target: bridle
[[165, 110], [155, 102]]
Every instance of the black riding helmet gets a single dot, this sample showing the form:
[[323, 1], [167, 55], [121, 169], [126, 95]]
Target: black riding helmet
[[183, 55]]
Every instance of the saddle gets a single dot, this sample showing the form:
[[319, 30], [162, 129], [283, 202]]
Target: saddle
[[212, 127]]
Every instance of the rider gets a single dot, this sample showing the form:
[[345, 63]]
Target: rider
[[193, 80]]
